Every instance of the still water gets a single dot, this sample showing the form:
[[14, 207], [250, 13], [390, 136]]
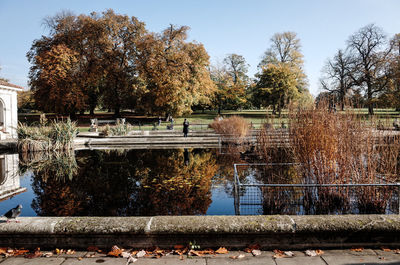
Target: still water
[[166, 182]]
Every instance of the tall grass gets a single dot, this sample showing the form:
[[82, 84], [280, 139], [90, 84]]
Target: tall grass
[[338, 148], [55, 136], [234, 126]]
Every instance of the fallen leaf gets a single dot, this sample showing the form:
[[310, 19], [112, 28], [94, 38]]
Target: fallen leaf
[[279, 256], [35, 254], [48, 254], [179, 247], [195, 253], [357, 249], [221, 250], [319, 252], [70, 252], [80, 258], [256, 252], [125, 254], [311, 253], [20, 252], [385, 249], [141, 254], [397, 251], [207, 251], [115, 252]]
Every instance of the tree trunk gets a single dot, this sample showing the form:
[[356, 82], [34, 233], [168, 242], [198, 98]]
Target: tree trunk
[[91, 111], [72, 116], [117, 112], [370, 108], [370, 103]]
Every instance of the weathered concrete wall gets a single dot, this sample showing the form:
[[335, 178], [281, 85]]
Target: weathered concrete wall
[[208, 231]]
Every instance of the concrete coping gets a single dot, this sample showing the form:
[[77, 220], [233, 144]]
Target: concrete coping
[[275, 231], [276, 224]]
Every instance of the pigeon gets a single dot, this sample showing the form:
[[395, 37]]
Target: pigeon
[[13, 213]]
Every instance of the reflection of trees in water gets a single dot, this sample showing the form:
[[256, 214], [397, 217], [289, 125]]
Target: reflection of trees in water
[[134, 182], [173, 188], [58, 165]]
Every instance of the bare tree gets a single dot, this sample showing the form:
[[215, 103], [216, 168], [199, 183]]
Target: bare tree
[[237, 67], [370, 54], [337, 76]]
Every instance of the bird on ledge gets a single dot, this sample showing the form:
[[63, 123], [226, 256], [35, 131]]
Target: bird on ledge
[[13, 213]]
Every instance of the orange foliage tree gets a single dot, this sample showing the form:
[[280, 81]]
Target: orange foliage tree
[[111, 59]]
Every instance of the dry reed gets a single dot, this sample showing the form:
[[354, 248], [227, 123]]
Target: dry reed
[[335, 148], [234, 126]]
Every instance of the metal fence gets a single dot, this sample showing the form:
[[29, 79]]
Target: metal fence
[[255, 198]]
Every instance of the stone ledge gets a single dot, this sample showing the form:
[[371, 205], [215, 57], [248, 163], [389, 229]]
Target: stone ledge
[[208, 231]]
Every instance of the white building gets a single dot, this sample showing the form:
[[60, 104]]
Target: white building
[[8, 110], [9, 177]]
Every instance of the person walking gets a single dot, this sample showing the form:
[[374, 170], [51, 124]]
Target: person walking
[[185, 128]]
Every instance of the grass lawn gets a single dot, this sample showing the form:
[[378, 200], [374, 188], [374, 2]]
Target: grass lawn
[[199, 120]]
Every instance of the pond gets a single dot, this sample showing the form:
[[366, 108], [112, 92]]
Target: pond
[[147, 182]]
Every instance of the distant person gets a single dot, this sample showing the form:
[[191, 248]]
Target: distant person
[[159, 121], [185, 128]]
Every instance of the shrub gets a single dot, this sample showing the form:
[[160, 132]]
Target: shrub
[[234, 126]]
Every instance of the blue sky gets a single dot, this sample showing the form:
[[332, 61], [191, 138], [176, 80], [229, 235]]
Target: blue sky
[[242, 27]]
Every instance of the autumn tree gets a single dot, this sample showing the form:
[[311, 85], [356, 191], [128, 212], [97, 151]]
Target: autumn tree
[[26, 100], [175, 72], [53, 77], [370, 54], [120, 65], [337, 78], [276, 86], [120, 59]]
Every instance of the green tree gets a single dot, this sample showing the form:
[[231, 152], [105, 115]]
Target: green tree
[[286, 48], [231, 81], [276, 86]]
